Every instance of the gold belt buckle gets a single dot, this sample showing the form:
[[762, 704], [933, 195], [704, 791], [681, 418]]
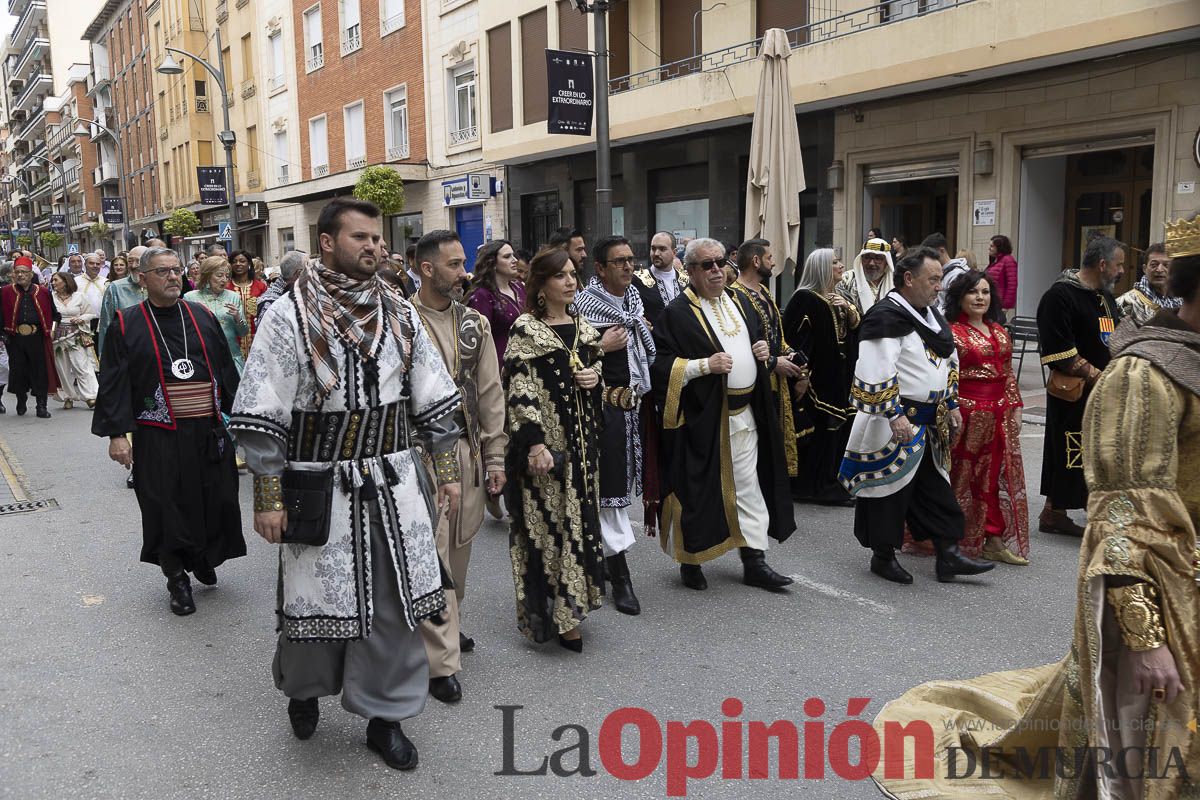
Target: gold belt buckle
[[27, 330]]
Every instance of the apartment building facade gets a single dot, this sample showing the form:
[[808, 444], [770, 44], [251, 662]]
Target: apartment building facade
[[961, 116], [360, 100], [124, 108], [39, 67]]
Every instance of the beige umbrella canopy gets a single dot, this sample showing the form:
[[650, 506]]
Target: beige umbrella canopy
[[776, 176]]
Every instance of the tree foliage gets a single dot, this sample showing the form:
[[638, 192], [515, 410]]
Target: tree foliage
[[100, 229], [51, 240], [382, 186], [182, 222], [24, 241]]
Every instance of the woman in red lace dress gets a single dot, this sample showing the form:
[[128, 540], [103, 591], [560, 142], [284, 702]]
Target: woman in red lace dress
[[249, 286], [986, 468]]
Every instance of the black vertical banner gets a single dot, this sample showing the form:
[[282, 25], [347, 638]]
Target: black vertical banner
[[212, 185], [114, 214], [572, 92]]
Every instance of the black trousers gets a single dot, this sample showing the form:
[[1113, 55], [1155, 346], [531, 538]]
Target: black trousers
[[927, 504], [27, 365]]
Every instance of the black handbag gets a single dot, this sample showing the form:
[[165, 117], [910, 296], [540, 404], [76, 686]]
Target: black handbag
[[308, 499]]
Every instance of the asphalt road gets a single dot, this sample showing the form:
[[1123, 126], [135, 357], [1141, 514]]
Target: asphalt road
[[105, 694]]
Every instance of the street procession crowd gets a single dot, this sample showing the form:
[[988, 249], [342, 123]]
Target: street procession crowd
[[384, 402]]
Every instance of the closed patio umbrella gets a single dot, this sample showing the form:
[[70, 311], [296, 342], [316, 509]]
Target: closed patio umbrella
[[776, 176]]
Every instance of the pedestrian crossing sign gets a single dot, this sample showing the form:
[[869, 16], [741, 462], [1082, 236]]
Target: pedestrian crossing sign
[[72, 249], [223, 234]]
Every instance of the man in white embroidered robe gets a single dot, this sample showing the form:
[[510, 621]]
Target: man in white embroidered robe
[[342, 376], [906, 392]]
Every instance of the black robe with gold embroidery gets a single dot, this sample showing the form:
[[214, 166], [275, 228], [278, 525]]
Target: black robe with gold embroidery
[[699, 506], [554, 540]]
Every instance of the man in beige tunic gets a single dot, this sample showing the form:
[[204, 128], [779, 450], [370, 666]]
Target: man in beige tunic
[[464, 338]]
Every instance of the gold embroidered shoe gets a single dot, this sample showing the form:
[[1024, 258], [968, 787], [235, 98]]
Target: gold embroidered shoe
[[1004, 556]]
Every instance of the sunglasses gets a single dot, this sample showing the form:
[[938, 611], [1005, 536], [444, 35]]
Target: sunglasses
[[710, 263]]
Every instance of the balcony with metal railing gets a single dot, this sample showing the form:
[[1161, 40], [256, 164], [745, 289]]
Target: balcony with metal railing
[[398, 152], [351, 39], [36, 89], [30, 19], [358, 162], [38, 46], [320, 170], [33, 129], [464, 135], [283, 175], [827, 23]]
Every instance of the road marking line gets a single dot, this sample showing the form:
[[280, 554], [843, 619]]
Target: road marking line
[[842, 594], [12, 473]]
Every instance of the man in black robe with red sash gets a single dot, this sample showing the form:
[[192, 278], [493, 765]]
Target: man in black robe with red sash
[[29, 314], [723, 472], [167, 370]]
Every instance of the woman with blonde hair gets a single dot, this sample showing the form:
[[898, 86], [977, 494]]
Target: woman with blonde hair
[[225, 304]]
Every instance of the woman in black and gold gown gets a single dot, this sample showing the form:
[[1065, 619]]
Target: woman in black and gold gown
[[553, 368], [820, 323]]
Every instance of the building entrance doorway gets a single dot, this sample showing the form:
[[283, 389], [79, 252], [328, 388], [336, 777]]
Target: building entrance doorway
[[913, 209], [1067, 198]]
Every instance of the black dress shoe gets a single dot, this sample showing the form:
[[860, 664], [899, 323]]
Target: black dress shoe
[[387, 739], [447, 689], [42, 412], [129, 480], [889, 569], [693, 577], [206, 575], [950, 562], [757, 572], [574, 645], [622, 586], [465, 643], [181, 595], [304, 716], [22, 405]]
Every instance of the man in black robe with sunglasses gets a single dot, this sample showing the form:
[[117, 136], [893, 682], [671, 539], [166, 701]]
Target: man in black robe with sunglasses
[[723, 472]]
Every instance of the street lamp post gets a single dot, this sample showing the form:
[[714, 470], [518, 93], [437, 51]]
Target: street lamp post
[[170, 66], [62, 173], [599, 8], [81, 129]]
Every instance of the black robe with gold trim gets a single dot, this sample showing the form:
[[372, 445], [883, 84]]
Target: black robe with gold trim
[[699, 505]]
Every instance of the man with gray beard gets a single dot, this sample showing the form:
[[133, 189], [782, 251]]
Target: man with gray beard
[[1075, 318]]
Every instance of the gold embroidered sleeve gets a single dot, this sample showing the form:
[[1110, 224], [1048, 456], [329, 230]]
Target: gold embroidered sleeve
[[672, 413]]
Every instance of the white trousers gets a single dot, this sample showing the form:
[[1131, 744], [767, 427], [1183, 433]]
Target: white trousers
[[616, 534], [751, 507]]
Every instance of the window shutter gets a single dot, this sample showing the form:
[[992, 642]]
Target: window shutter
[[533, 66], [500, 77]]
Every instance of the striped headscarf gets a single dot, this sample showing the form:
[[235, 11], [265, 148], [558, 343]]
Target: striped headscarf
[[330, 304]]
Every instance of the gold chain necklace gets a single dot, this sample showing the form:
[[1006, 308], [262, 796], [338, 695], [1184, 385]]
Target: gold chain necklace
[[731, 327]]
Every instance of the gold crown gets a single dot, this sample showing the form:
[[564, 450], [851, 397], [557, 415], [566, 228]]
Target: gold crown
[[1183, 237]]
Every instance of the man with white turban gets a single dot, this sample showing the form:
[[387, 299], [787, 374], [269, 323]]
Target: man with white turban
[[871, 278]]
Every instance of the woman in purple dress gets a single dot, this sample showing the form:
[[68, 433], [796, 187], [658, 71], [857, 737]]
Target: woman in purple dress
[[496, 291]]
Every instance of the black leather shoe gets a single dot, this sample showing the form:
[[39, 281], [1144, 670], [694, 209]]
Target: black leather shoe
[[693, 577], [623, 597], [950, 563], [129, 480], [387, 739], [889, 569], [181, 595], [42, 412], [22, 404], [574, 645], [465, 643], [304, 716], [757, 572], [447, 689], [206, 575]]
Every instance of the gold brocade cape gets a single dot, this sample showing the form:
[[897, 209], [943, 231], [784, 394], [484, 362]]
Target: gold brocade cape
[[1141, 450]]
